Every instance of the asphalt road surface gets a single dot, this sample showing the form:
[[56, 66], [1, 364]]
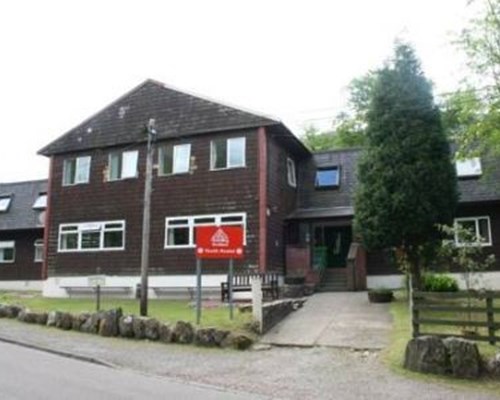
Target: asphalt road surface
[[32, 375]]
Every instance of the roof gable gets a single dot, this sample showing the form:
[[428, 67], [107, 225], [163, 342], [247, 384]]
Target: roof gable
[[176, 114]]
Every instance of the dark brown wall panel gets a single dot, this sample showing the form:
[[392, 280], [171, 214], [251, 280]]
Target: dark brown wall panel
[[24, 267]]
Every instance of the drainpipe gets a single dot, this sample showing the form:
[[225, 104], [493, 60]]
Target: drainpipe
[[262, 176]]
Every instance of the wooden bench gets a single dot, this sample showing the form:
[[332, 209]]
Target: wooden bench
[[243, 283], [92, 289], [174, 291]]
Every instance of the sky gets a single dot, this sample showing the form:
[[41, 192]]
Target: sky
[[62, 61]]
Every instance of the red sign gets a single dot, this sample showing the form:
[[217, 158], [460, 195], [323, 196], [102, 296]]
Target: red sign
[[219, 242]]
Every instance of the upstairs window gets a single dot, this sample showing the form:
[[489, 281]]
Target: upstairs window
[[479, 229], [227, 153], [469, 168], [7, 252], [5, 203], [291, 174], [123, 165], [76, 171], [40, 202], [38, 250], [327, 178], [174, 159], [90, 236]]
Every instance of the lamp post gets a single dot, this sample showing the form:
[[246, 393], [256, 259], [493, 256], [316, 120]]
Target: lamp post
[[146, 217]]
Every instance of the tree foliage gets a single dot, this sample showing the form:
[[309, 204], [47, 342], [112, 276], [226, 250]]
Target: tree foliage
[[407, 182], [478, 106]]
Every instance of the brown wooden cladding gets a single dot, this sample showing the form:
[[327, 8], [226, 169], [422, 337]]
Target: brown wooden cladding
[[281, 202], [24, 267], [200, 192], [381, 262]]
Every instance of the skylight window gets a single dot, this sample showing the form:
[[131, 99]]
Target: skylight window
[[5, 203], [41, 202], [327, 178], [469, 168]]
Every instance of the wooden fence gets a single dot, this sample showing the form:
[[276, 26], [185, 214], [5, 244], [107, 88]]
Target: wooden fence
[[428, 305]]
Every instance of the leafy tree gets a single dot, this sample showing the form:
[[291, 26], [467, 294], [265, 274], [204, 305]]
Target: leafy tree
[[480, 41], [407, 182], [316, 140]]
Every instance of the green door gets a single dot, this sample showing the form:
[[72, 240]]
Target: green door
[[334, 242]]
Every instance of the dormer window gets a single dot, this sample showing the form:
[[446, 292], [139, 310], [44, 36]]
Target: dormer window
[[327, 178], [5, 203], [40, 202], [469, 168]]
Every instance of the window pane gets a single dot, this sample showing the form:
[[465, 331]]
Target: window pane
[[219, 154], [40, 202], [327, 177], [182, 153], [39, 250], [178, 222], [292, 181], [166, 160], [236, 149], [484, 230], [117, 225], [69, 172], [469, 231], [233, 218], [82, 169], [4, 203], [204, 220], [8, 254], [113, 239], [114, 166], [91, 240], [69, 241], [129, 164], [178, 236]]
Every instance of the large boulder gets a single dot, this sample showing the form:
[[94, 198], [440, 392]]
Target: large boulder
[[464, 357], [53, 317], [79, 320], [151, 329], [183, 332], [165, 333], [126, 326], [426, 354], [3, 311], [10, 311], [27, 316], [493, 366], [109, 321], [41, 318], [205, 337], [139, 327], [91, 324], [237, 341], [65, 322]]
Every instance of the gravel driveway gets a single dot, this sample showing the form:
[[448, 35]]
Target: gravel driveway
[[279, 372]]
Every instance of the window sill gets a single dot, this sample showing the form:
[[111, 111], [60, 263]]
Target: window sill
[[173, 174], [122, 179], [89, 250], [74, 184], [227, 168]]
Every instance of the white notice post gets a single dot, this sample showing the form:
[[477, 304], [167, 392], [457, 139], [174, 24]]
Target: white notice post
[[257, 301]]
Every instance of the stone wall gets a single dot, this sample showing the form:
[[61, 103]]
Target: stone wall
[[274, 312]]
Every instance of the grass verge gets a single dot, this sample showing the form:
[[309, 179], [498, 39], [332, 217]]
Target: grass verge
[[214, 315], [393, 355]]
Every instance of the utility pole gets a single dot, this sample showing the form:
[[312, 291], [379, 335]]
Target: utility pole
[[146, 217]]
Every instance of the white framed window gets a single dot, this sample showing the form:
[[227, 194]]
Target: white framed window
[[123, 165], [227, 153], [92, 236], [180, 231], [290, 172], [469, 167], [40, 202], [5, 203], [174, 159], [38, 250], [76, 170], [479, 227], [7, 252]]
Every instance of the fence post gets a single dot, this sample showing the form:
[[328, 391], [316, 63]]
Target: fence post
[[490, 317], [415, 314]]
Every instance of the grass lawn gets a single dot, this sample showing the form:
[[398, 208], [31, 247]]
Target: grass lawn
[[401, 334], [214, 315]]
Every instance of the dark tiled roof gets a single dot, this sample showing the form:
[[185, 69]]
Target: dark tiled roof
[[328, 203], [176, 114], [20, 214]]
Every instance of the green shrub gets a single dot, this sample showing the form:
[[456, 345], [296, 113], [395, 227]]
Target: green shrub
[[439, 283]]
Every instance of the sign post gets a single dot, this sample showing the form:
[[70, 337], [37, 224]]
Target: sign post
[[97, 281], [218, 242]]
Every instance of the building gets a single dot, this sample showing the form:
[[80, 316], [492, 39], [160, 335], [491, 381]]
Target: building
[[213, 164], [22, 217]]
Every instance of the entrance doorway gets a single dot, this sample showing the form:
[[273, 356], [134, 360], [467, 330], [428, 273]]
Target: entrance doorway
[[331, 245]]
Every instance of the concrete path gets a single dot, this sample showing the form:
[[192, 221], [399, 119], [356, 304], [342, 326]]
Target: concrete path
[[341, 319]]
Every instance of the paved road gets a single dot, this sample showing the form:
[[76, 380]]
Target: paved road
[[278, 373], [341, 319], [28, 374]]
